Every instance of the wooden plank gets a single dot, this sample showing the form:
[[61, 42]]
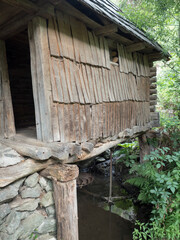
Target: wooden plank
[[29, 166], [82, 121], [101, 83], [35, 81], [100, 120], [53, 41], [8, 116], [57, 89], [72, 135], [107, 54], [84, 87], [71, 89], [61, 121], [98, 50], [76, 122], [86, 82], [135, 47], [85, 44], [90, 84], [105, 84], [98, 83], [55, 123], [43, 76], [62, 79], [94, 84], [65, 35], [2, 119], [78, 84], [104, 121], [88, 121], [102, 50], [93, 48], [106, 30], [66, 123]]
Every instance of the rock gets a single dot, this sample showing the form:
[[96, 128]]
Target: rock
[[26, 204], [8, 193], [100, 159], [49, 225], [32, 180], [51, 211], [29, 224], [45, 184], [106, 154], [46, 237], [31, 192], [12, 222], [8, 156], [87, 146], [4, 210], [47, 199]]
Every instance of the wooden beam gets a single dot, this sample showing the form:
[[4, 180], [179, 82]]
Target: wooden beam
[[13, 173], [153, 91], [37, 153], [106, 30], [22, 4], [135, 47]]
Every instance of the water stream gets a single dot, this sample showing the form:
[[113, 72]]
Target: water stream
[[96, 220]]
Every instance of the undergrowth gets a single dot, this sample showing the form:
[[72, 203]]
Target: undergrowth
[[158, 181]]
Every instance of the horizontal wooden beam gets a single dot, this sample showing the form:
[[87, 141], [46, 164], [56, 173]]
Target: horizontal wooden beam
[[135, 47], [106, 30], [153, 80], [153, 91], [153, 102], [153, 97], [22, 4], [153, 86], [13, 173]]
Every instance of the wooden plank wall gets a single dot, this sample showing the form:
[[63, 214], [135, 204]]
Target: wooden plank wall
[[7, 128], [91, 98]]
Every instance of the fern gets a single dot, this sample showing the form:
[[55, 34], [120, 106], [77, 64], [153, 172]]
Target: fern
[[137, 181]]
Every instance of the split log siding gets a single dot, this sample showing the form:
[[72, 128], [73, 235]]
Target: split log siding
[[88, 97]]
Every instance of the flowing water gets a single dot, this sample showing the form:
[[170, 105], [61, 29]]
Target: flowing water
[[96, 220]]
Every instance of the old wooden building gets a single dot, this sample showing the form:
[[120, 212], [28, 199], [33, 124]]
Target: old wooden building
[[74, 74]]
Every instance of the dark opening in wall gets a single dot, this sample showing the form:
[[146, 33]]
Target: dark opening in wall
[[18, 57]]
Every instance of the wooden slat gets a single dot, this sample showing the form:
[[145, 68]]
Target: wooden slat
[[94, 84], [100, 120], [68, 73], [53, 38], [61, 121], [98, 83], [55, 123], [101, 82], [86, 82], [62, 79], [105, 84], [66, 123], [65, 35], [82, 83], [102, 50], [107, 54], [78, 83], [72, 123], [74, 86], [77, 122], [89, 80], [57, 89], [93, 48], [106, 30], [88, 121], [104, 121]]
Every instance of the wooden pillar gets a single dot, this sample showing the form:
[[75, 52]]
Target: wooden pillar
[[41, 79], [7, 126], [65, 197], [143, 146]]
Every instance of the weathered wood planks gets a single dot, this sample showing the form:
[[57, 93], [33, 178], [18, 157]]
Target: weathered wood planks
[[7, 127]]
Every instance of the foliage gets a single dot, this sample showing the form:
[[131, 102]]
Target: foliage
[[158, 180], [128, 153], [160, 19]]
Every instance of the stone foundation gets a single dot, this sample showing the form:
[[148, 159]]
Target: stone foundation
[[27, 210]]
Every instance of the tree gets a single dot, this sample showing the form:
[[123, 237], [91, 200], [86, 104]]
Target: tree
[[160, 19]]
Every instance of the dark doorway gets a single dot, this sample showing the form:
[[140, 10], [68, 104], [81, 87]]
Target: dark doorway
[[18, 58]]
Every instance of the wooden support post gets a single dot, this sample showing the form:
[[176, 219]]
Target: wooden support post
[[143, 146], [65, 197]]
